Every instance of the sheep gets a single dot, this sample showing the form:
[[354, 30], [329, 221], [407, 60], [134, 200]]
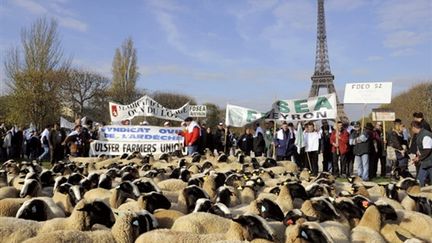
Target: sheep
[[172, 185], [150, 202], [116, 196], [126, 229], [67, 196], [369, 227], [416, 223], [84, 216], [188, 197], [167, 217], [228, 196], [10, 206], [201, 223], [8, 192], [245, 227], [395, 233], [40, 209]]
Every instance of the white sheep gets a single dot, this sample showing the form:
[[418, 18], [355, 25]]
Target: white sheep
[[369, 227], [8, 192], [40, 209], [167, 217], [172, 185], [201, 223], [126, 229]]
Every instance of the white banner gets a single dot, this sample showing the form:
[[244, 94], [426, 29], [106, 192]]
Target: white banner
[[66, 124], [115, 148], [198, 111], [145, 106], [314, 108], [117, 140], [368, 93], [140, 133]]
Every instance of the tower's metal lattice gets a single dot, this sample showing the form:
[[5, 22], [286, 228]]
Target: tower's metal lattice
[[322, 77]]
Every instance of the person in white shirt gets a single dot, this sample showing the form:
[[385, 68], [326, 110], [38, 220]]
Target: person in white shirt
[[45, 143], [311, 140]]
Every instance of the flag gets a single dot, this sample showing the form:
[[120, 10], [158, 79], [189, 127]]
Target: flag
[[299, 140]]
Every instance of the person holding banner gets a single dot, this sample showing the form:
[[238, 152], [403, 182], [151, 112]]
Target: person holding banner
[[191, 134], [362, 148], [312, 140], [397, 149], [423, 160], [339, 140]]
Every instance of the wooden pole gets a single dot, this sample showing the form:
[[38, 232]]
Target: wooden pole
[[225, 139], [384, 131], [363, 118], [274, 138]]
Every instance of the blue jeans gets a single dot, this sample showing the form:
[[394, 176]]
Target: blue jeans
[[192, 149], [362, 162], [423, 174], [45, 152]]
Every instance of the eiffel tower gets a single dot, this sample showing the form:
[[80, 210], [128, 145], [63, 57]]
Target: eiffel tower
[[322, 77]]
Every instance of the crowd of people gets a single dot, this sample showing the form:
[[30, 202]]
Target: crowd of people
[[342, 145]]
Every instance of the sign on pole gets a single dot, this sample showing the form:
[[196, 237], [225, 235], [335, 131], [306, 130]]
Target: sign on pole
[[368, 93], [381, 114], [197, 110]]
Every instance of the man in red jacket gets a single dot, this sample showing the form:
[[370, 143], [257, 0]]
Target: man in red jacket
[[339, 140], [191, 135]]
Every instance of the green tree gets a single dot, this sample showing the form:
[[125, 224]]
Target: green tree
[[214, 115], [125, 73], [36, 74]]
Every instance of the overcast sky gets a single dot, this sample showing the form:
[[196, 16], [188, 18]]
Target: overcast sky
[[243, 52]]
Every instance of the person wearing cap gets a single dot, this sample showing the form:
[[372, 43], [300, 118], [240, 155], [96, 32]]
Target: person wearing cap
[[396, 146], [362, 147], [423, 158], [191, 135]]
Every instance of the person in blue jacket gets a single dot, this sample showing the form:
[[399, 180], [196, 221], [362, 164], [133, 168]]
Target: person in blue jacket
[[283, 142]]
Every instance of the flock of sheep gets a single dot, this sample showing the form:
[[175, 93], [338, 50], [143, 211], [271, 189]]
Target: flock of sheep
[[203, 198]]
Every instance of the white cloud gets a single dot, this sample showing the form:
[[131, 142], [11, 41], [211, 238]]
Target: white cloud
[[403, 38], [403, 52], [55, 8], [31, 6], [402, 14]]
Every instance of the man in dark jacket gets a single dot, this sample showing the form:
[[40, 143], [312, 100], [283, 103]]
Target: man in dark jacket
[[56, 149], [362, 148], [283, 142], [245, 142], [418, 116], [424, 153], [258, 141]]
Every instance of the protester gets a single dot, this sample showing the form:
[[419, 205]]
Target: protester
[[34, 145], [424, 152], [191, 135], [258, 141], [418, 116], [56, 148], [397, 152], [7, 144], [220, 138], [74, 141], [45, 143], [362, 148], [283, 141], [268, 138], [378, 153], [326, 147], [246, 142], [339, 140], [311, 140], [209, 143], [292, 153]]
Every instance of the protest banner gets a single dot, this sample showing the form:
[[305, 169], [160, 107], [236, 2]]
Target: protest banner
[[115, 148], [314, 108], [381, 114], [146, 106], [66, 124], [140, 133], [368, 93], [117, 140]]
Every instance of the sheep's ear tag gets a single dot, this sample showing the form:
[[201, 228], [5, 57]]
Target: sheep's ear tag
[[289, 222], [365, 204], [304, 235], [135, 222], [263, 209], [240, 188], [33, 209]]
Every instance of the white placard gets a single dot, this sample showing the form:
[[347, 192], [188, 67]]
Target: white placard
[[368, 93], [197, 110]]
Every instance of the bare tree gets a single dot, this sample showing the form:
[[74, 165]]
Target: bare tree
[[82, 87], [36, 74], [125, 74]]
